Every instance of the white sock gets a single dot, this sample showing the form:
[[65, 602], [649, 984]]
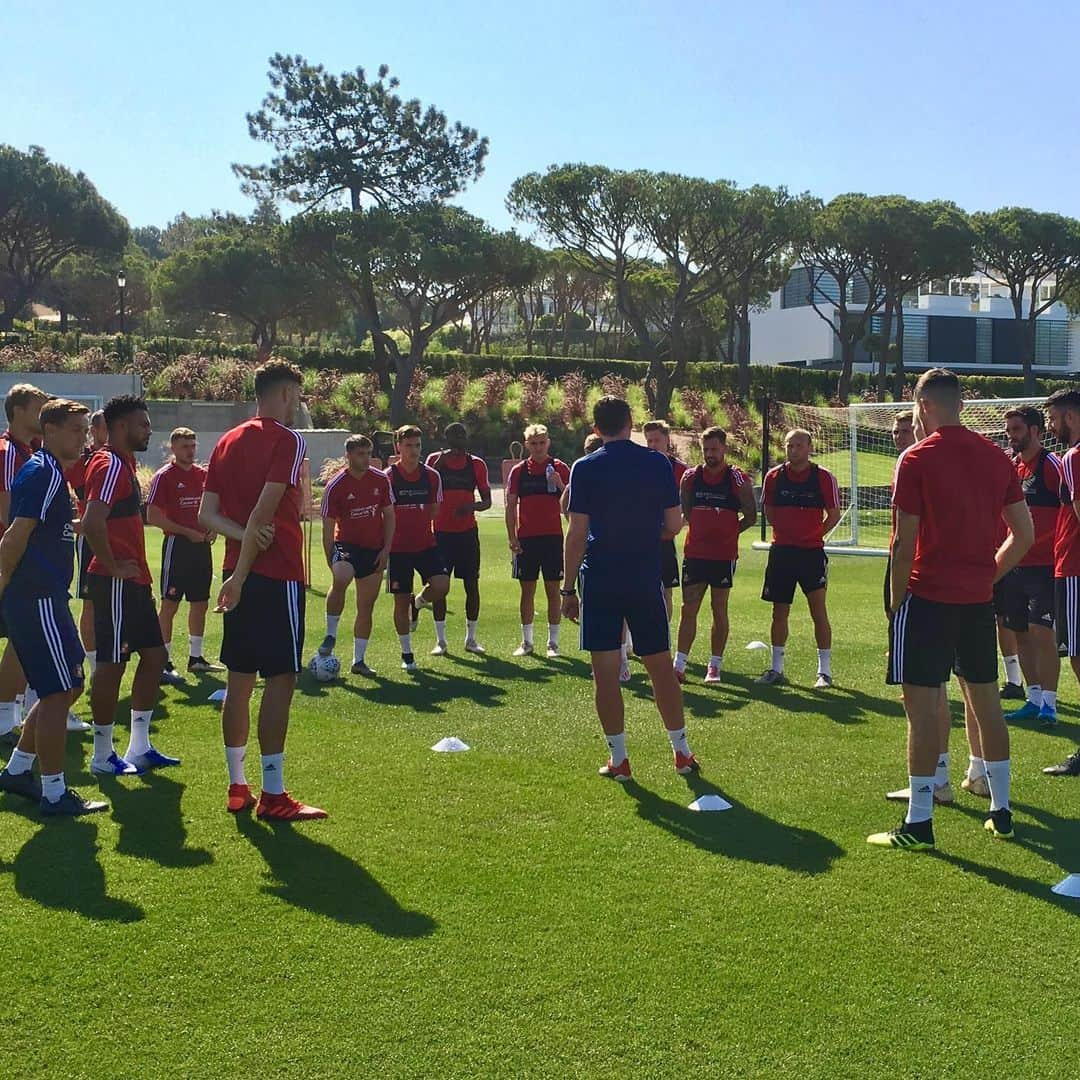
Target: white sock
[[406, 643], [1012, 670], [1049, 699], [921, 799], [103, 743], [617, 746], [941, 777], [139, 743], [359, 647], [234, 760], [91, 660], [716, 661], [680, 661], [824, 662], [168, 649], [470, 629], [553, 634], [1034, 695], [976, 767], [678, 741], [778, 658], [440, 631], [527, 633], [332, 624], [997, 776], [52, 787], [20, 762], [273, 773], [9, 716], [195, 646]]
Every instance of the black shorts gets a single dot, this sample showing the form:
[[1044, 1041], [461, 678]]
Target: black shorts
[[1067, 596], [1026, 596], [669, 564], [125, 618], [264, 633], [363, 560], [187, 570], [716, 573], [461, 553], [539, 554], [403, 564], [85, 554], [790, 566], [929, 640]]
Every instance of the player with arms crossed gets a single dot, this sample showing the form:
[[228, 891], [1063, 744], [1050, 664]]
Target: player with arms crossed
[[358, 529], [718, 505], [623, 499], [187, 568], [463, 475], [252, 498], [417, 494], [535, 489], [37, 557], [802, 503], [950, 490]]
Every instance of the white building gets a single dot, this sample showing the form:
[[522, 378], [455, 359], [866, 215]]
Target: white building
[[965, 324]]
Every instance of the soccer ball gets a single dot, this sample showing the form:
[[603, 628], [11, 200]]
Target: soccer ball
[[324, 668]]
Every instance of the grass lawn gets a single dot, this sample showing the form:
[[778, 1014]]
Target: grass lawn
[[504, 912]]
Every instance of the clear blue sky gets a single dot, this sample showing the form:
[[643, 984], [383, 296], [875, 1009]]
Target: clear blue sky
[[971, 102]]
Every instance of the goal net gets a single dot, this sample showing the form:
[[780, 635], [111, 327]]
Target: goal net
[[855, 444]]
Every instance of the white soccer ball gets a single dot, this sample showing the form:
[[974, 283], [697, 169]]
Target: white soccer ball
[[324, 668]]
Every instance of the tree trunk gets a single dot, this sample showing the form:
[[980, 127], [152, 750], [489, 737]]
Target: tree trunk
[[847, 363], [885, 339], [265, 337], [7, 321], [899, 375], [406, 366], [1028, 339], [742, 350]]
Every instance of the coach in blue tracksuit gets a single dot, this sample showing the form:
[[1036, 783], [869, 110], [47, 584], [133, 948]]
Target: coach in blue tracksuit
[[623, 501], [37, 559]]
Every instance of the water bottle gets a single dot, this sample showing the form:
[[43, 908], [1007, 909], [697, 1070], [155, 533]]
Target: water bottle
[[550, 473]]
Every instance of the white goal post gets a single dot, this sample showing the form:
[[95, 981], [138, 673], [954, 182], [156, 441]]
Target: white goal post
[[855, 444]]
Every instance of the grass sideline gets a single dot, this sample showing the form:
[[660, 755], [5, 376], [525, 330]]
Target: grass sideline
[[506, 913]]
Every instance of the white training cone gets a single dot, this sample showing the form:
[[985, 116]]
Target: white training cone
[[450, 745], [757, 645], [1069, 887], [710, 802], [218, 696]]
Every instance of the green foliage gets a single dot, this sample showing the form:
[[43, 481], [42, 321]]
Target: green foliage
[[83, 286]]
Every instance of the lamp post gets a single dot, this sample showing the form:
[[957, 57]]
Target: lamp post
[[121, 283]]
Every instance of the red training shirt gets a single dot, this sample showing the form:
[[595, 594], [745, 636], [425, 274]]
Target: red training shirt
[[958, 483], [111, 479], [1040, 483], [538, 509], [796, 503], [462, 474], [177, 492], [258, 452], [76, 478], [356, 504], [714, 515], [414, 494], [678, 468], [13, 456], [1067, 530]]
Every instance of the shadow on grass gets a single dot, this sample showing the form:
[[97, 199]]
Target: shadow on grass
[[313, 876], [738, 833], [151, 821], [839, 703], [425, 691], [58, 868]]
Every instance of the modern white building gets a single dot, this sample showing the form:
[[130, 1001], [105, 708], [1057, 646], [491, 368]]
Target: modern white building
[[965, 324]]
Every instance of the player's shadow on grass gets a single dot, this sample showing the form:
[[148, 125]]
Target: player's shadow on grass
[[840, 704], [58, 868], [536, 669], [738, 833], [315, 877], [424, 691], [148, 811]]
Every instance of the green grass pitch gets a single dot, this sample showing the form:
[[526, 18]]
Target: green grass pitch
[[504, 912]]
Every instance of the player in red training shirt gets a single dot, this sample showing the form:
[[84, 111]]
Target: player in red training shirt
[[186, 561], [125, 618], [417, 494], [718, 505], [949, 492], [535, 489], [358, 528], [252, 498], [1063, 411], [22, 406], [463, 475], [802, 502]]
